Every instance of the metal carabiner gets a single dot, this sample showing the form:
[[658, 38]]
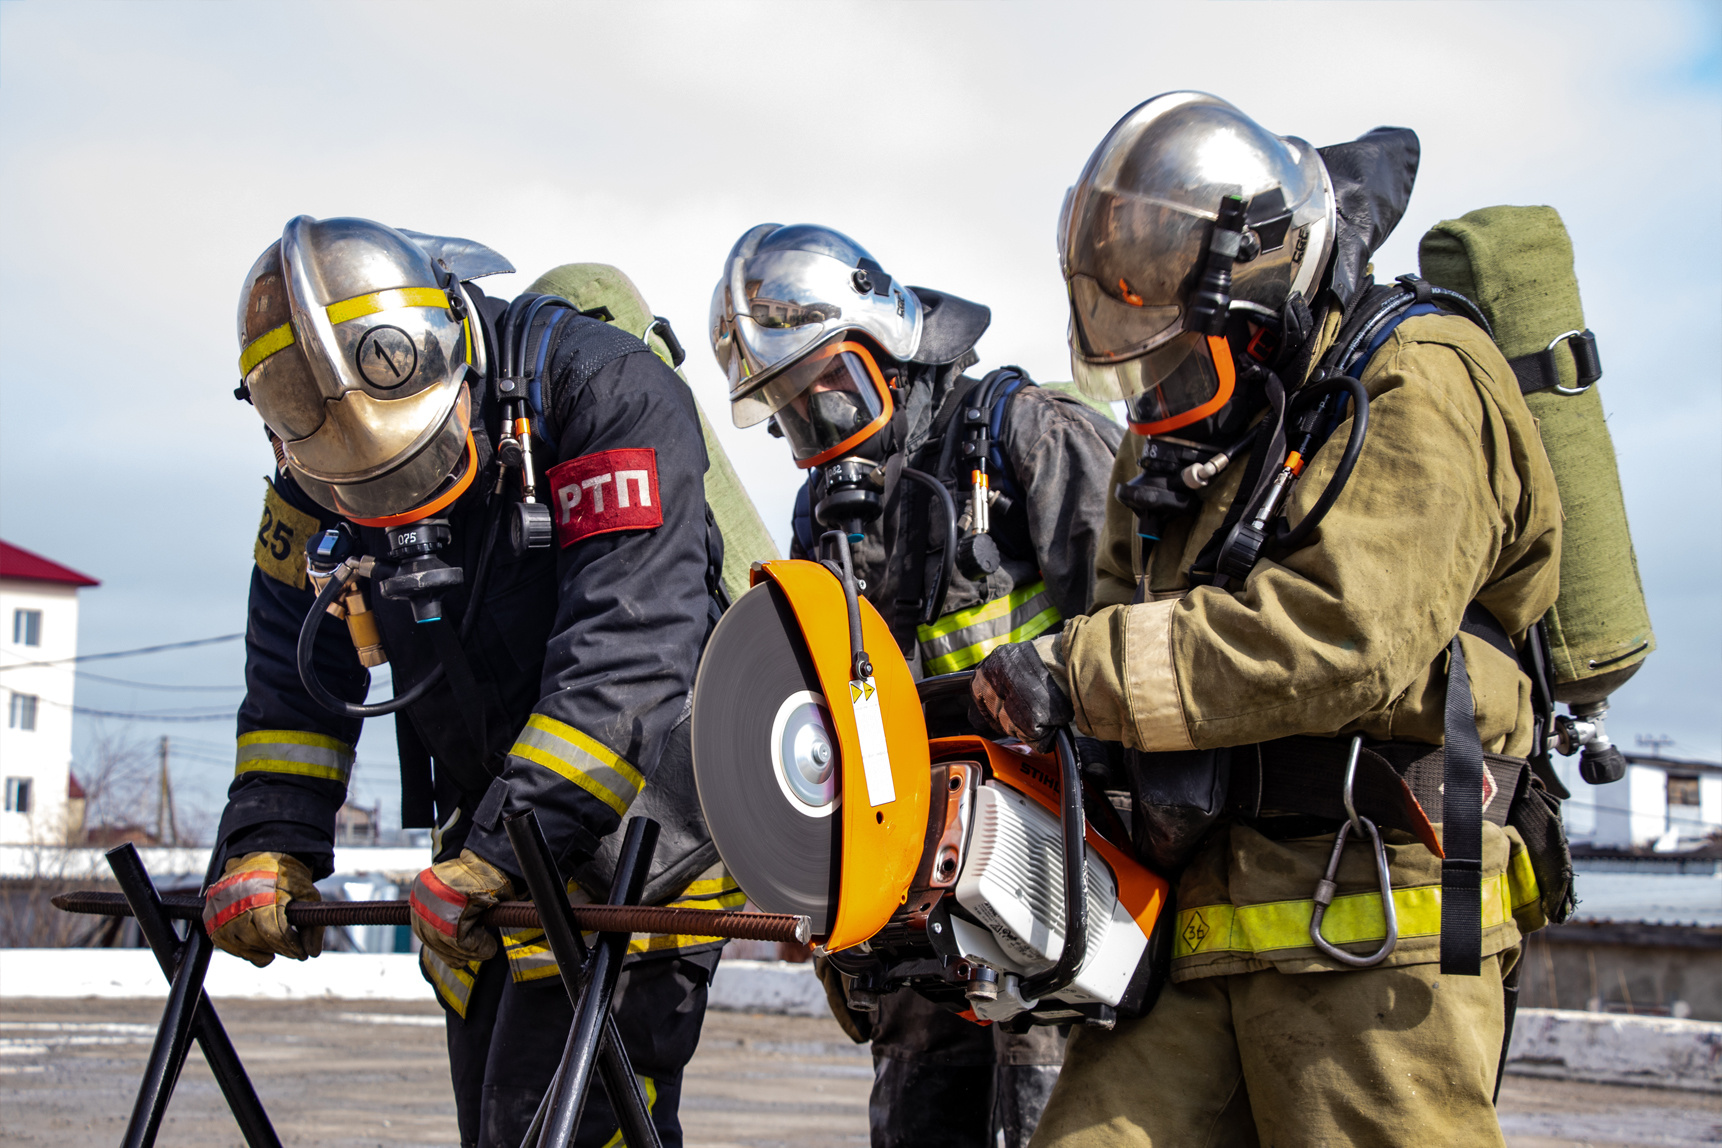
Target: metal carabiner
[[1326, 887]]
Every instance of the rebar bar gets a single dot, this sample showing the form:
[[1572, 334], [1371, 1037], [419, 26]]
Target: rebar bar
[[741, 926]]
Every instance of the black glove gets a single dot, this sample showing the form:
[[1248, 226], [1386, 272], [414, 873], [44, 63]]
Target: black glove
[[1014, 693]]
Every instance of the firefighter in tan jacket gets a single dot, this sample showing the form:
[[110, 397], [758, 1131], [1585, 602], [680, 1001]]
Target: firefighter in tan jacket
[[1245, 663]]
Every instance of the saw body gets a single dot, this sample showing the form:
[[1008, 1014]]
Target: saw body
[[931, 864]]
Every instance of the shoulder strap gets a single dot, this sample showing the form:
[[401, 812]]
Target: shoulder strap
[[1005, 383], [1461, 824], [801, 518]]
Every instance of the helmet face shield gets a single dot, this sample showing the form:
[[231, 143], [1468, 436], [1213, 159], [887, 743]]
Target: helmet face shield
[[353, 353], [1134, 230], [826, 403], [1105, 329], [785, 290]]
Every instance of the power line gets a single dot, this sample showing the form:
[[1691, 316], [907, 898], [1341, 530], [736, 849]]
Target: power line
[[127, 653], [94, 677], [118, 715]]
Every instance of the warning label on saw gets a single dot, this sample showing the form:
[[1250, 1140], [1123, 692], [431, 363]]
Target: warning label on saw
[[875, 756]]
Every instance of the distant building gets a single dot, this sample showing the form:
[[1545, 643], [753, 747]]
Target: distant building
[[38, 634], [357, 825], [1662, 803]]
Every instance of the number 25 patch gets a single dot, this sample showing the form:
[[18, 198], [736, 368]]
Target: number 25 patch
[[605, 492], [280, 548]]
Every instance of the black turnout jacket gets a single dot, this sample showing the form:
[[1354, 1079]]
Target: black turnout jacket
[[583, 654]]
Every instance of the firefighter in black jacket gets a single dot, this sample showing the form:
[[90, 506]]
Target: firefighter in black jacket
[[974, 508], [527, 481]]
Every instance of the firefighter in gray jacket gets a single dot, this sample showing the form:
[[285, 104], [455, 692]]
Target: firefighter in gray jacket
[[974, 507]]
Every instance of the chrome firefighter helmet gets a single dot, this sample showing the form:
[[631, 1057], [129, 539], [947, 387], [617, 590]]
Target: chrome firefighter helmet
[[1136, 233], [799, 320], [355, 348]]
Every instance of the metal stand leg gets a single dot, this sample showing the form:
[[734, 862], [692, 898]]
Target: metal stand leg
[[188, 1014], [593, 1036]]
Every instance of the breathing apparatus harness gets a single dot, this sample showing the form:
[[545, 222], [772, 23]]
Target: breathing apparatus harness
[[412, 571], [1294, 426], [854, 492], [1282, 441]]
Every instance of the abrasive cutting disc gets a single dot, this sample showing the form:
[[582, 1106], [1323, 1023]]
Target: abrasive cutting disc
[[766, 759]]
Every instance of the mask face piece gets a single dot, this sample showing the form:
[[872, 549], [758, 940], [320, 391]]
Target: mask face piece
[[1177, 384], [826, 403]]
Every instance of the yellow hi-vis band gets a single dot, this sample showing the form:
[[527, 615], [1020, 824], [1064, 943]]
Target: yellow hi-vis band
[[391, 300], [264, 345], [280, 338], [295, 752], [960, 640], [1356, 918], [528, 950], [566, 751], [453, 983], [651, 1089]]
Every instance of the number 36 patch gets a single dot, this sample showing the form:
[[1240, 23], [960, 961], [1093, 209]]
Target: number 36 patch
[[280, 549]]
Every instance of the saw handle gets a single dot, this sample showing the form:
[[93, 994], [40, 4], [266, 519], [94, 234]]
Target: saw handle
[[860, 666]]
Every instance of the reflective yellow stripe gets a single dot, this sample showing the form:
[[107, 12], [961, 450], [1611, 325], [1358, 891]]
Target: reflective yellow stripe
[[452, 984], [529, 955], [567, 752], [651, 1089], [960, 640], [1522, 881], [530, 958], [391, 300], [295, 752], [263, 346], [1279, 926]]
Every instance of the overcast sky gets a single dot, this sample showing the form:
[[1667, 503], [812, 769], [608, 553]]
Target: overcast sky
[[149, 151]]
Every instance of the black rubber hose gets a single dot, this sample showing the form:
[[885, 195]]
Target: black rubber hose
[[1073, 822], [308, 672], [860, 665], [936, 602], [1341, 473]]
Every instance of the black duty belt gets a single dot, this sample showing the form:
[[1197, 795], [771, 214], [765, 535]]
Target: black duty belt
[[1398, 783]]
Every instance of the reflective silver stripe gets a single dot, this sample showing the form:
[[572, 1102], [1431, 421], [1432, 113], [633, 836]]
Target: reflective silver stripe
[[962, 639], [579, 758], [529, 955], [295, 752], [453, 985]]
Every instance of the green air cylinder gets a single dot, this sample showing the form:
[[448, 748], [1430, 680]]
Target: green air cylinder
[[1516, 264], [745, 539]]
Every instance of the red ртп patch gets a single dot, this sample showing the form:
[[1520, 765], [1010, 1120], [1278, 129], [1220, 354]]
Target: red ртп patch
[[605, 492]]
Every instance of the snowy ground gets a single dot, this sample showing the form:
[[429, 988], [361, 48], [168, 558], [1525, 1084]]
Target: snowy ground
[[350, 1073]]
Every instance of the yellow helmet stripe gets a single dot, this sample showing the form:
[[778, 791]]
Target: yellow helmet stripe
[[263, 346], [391, 300]]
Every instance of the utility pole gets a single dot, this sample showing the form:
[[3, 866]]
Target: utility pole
[[164, 815]]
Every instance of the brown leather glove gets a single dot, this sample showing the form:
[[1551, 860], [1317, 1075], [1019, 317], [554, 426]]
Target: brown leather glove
[[446, 900], [246, 911]]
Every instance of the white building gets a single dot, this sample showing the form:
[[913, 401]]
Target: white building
[[1664, 803], [38, 634]]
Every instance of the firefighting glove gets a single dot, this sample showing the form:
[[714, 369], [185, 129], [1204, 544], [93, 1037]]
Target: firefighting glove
[[246, 911], [1015, 693], [446, 901]]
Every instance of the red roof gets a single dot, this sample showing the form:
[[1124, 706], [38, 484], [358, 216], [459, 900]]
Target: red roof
[[73, 789], [17, 562]]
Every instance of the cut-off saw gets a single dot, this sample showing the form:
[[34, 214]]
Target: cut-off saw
[[947, 865]]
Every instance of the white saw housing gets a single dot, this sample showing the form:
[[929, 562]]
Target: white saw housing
[[1013, 882]]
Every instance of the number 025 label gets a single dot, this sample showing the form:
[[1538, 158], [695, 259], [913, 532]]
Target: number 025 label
[[280, 549]]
